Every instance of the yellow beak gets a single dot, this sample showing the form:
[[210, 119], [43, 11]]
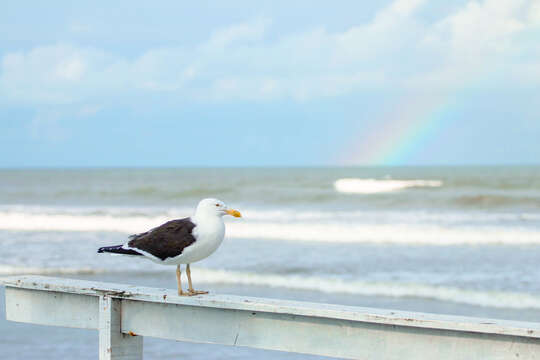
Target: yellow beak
[[234, 213]]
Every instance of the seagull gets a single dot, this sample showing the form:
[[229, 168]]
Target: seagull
[[181, 241]]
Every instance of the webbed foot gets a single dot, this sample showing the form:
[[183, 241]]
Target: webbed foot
[[196, 292]]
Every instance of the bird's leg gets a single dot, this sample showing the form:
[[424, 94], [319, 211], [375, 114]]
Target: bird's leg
[[190, 289], [190, 285], [179, 281]]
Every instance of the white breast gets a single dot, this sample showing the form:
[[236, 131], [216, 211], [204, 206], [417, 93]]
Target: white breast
[[209, 233]]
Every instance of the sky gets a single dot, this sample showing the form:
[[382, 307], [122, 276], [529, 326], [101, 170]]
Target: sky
[[269, 83]]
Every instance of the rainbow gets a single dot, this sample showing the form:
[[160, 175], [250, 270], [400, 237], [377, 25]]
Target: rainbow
[[402, 133]]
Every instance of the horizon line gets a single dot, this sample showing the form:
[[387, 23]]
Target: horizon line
[[274, 166]]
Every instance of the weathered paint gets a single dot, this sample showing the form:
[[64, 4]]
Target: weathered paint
[[322, 329], [52, 308]]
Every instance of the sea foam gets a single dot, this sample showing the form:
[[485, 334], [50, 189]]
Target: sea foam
[[6, 270], [310, 227], [373, 186], [496, 299]]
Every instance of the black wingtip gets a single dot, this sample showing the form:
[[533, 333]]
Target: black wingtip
[[117, 249]]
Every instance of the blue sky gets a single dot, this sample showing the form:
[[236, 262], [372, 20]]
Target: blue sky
[[269, 83]]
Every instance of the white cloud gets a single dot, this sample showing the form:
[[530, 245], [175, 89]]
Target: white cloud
[[238, 33], [534, 12], [482, 28], [397, 49], [484, 42], [51, 74], [71, 69]]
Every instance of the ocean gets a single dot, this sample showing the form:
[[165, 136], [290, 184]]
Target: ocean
[[455, 240]]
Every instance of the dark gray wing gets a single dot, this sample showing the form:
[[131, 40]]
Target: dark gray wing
[[165, 241]]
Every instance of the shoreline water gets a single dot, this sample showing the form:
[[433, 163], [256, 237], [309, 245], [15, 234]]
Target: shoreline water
[[461, 240]]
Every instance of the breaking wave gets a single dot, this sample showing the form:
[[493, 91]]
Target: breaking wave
[[63, 222], [309, 226], [496, 299], [384, 233], [7, 270], [373, 186]]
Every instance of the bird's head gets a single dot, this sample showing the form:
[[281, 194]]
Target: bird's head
[[216, 207]]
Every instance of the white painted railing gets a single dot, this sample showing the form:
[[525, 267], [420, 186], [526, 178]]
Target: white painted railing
[[123, 314]]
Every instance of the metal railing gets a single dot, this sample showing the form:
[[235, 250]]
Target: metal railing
[[124, 314]]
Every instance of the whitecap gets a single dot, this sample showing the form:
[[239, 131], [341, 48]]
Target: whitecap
[[373, 186]]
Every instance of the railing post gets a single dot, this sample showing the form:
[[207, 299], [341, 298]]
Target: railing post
[[113, 345]]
